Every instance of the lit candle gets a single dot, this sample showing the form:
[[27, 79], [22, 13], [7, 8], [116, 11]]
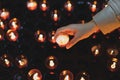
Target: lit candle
[[68, 6], [31, 5], [34, 74], [51, 63], [55, 16], [2, 25], [12, 35], [43, 5], [62, 40], [14, 24], [82, 78], [4, 14], [94, 7], [40, 36], [36, 77], [67, 77], [7, 62]]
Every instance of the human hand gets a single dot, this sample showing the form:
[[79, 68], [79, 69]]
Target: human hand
[[78, 31]]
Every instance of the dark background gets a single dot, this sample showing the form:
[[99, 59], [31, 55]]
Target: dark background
[[78, 58]]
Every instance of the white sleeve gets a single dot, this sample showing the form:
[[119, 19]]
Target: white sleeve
[[108, 19]]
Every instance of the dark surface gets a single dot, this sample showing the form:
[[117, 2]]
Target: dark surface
[[78, 58]]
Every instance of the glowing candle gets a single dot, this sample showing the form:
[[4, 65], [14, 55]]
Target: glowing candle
[[40, 36], [12, 35], [4, 14], [44, 5], [55, 15], [94, 7], [2, 25], [51, 62], [67, 77], [34, 74], [14, 24], [68, 6], [62, 40], [31, 5]]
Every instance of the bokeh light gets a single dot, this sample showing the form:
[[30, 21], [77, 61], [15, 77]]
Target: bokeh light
[[6, 60], [51, 62], [62, 40], [21, 61], [14, 24], [40, 36], [12, 35], [66, 75], [32, 5], [34, 74], [4, 14]]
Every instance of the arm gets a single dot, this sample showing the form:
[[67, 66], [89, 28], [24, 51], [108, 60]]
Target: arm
[[109, 18]]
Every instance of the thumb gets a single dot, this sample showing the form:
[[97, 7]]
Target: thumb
[[72, 42]]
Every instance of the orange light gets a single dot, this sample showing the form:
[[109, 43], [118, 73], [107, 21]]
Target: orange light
[[94, 6], [96, 50], [21, 61], [55, 15], [44, 5], [32, 5], [68, 6], [4, 14], [51, 62], [62, 40], [113, 64], [40, 36], [2, 24], [83, 76], [12, 35], [34, 74], [66, 75], [113, 52], [51, 37], [1, 34], [14, 24], [5, 60]]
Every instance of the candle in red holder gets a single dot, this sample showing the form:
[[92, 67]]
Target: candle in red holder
[[21, 61], [66, 75], [51, 62], [14, 24], [94, 7], [4, 14], [68, 6], [34, 74], [12, 35], [2, 24], [40, 36], [55, 15], [32, 5], [44, 5], [5, 60], [113, 64]]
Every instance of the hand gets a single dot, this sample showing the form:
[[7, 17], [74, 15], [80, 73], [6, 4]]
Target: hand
[[79, 31]]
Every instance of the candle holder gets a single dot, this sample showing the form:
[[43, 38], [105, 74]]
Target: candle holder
[[32, 5], [66, 75], [34, 74]]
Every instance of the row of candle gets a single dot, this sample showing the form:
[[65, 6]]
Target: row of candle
[[51, 63]]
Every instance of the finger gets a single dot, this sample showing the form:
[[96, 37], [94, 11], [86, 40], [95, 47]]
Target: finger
[[72, 42], [65, 31]]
